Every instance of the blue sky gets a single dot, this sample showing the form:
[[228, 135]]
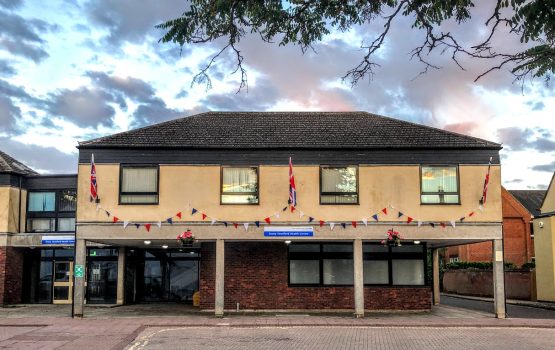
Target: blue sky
[[72, 71]]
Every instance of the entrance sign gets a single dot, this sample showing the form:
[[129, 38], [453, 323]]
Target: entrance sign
[[276, 231], [79, 271], [65, 240]]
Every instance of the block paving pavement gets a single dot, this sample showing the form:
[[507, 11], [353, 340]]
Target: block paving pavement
[[176, 326]]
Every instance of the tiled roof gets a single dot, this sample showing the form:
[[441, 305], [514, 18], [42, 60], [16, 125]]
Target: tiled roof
[[255, 130], [530, 199], [10, 165]]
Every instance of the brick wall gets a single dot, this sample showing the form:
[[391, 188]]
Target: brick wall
[[256, 276], [11, 275]]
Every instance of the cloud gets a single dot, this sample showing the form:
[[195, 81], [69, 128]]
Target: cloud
[[518, 181], [545, 167], [83, 106], [23, 37], [6, 69], [544, 145], [514, 137], [9, 113], [127, 21], [41, 159], [11, 4], [466, 128]]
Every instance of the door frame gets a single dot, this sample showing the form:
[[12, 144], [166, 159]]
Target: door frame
[[68, 284]]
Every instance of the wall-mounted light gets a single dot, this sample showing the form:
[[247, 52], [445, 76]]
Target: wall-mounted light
[[165, 246], [540, 224], [147, 242], [287, 242], [416, 242]]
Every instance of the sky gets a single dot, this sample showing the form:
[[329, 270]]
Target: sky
[[75, 70]]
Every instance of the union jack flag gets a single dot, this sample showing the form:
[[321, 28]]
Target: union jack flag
[[292, 188], [486, 183], [94, 193]]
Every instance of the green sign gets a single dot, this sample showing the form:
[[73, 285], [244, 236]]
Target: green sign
[[79, 271]]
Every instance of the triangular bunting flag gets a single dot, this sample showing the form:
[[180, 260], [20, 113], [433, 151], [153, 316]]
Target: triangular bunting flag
[[384, 210], [400, 214], [235, 224], [481, 207], [470, 214], [178, 215], [137, 226], [257, 223], [354, 223], [268, 221], [125, 223], [284, 209], [203, 216], [432, 224], [107, 212], [344, 225], [293, 208], [159, 224], [364, 221], [276, 215], [213, 221], [170, 221], [442, 224], [375, 217], [246, 225], [462, 219], [225, 223], [98, 207], [115, 219], [332, 225], [409, 220], [147, 226], [193, 211], [310, 219], [322, 223], [301, 214], [419, 223], [453, 223]]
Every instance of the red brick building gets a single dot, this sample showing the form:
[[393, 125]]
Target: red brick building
[[519, 208]]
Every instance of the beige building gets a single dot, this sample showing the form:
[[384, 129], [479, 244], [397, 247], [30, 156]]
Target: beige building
[[225, 177], [544, 236]]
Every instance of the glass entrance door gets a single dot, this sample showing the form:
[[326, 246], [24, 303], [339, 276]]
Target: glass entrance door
[[62, 289]]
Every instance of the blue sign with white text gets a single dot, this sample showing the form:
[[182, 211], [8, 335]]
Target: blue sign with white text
[[288, 232], [64, 240]]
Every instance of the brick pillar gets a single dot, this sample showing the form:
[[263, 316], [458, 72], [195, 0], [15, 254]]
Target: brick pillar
[[11, 275]]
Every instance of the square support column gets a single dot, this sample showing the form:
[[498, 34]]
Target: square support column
[[220, 276], [498, 279], [121, 276], [79, 284], [358, 278], [435, 275]]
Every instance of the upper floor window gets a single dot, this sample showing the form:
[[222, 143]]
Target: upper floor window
[[339, 185], [239, 185], [68, 200], [439, 185], [138, 184], [42, 201]]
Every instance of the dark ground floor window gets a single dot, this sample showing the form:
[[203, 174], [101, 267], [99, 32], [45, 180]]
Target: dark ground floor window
[[331, 264]]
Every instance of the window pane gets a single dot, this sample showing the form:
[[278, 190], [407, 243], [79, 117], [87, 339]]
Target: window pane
[[408, 272], [239, 199], [41, 225], [439, 179], [304, 271], [376, 272], [64, 253], [103, 252], [68, 200], [239, 180], [139, 180], [338, 248], [339, 179], [338, 271], [128, 198], [375, 248], [304, 248], [339, 199], [66, 225], [408, 248], [440, 198], [42, 201]]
